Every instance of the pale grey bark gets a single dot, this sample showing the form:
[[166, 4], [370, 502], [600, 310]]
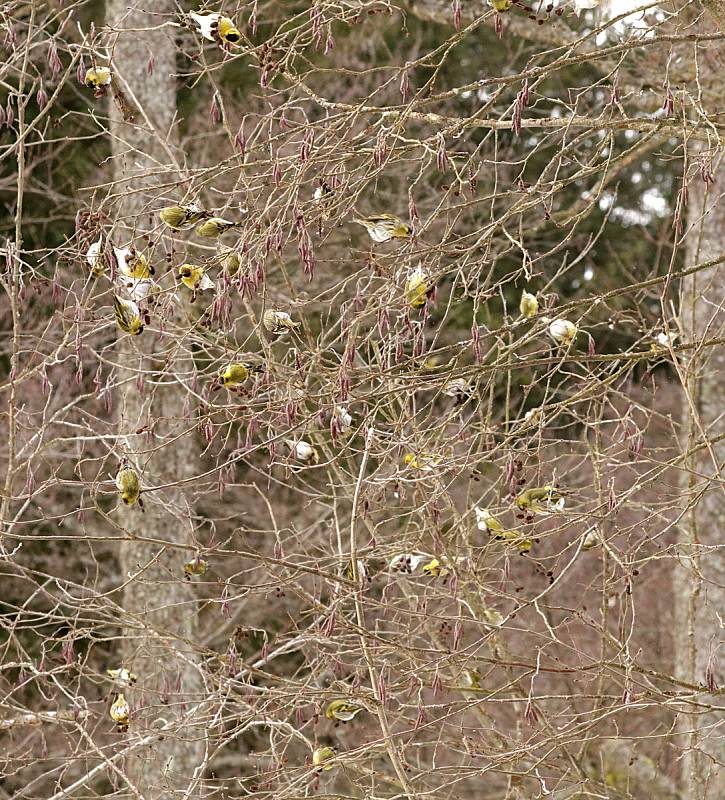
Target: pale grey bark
[[699, 579], [160, 627]]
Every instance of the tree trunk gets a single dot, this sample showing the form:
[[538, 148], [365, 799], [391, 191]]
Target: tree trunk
[[699, 579], [160, 625]]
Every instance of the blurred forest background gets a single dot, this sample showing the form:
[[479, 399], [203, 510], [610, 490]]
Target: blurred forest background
[[573, 151]]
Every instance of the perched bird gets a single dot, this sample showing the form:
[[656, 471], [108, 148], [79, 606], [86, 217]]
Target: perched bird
[[231, 261], [323, 197], [132, 264], [562, 331], [215, 27], [406, 563], [431, 362], [95, 259], [302, 450], [515, 539], [489, 524], [383, 227], [423, 462], [215, 226], [472, 678], [486, 522], [278, 322], [534, 416], [418, 287], [322, 754], [592, 538], [459, 388], [119, 711], [97, 77], [541, 500], [195, 278], [236, 374], [529, 305], [122, 676], [197, 566], [342, 418], [342, 710], [128, 316], [500, 5], [178, 217], [434, 569], [664, 341], [128, 484], [363, 572]]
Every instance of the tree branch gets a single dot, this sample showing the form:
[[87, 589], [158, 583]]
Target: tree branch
[[554, 33]]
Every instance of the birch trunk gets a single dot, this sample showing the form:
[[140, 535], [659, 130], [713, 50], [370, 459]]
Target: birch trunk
[[699, 579], [700, 575], [160, 626]]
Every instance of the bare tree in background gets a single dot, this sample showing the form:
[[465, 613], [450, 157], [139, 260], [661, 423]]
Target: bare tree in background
[[334, 583], [160, 613], [700, 578]]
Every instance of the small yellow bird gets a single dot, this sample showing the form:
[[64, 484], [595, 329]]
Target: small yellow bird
[[342, 710], [278, 322], [472, 678], [592, 538], [128, 485], [362, 570], [215, 226], [541, 500], [486, 522], [418, 287], [431, 362], [122, 676], [178, 217], [500, 5], [97, 77], [119, 711], [423, 462], [237, 373], [489, 524], [197, 566], [322, 754], [302, 450], [383, 227], [215, 27], [562, 331], [133, 265], [529, 305], [434, 569], [128, 316], [231, 261], [515, 539], [195, 278]]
